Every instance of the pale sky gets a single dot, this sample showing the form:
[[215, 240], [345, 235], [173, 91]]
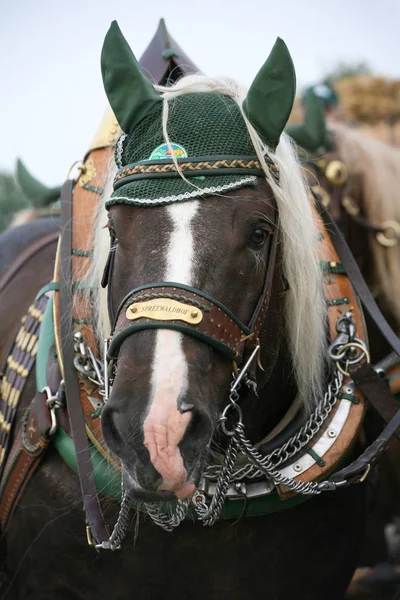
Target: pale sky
[[51, 93]]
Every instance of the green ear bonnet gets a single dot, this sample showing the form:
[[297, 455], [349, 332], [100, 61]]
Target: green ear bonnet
[[312, 135], [208, 134], [38, 194]]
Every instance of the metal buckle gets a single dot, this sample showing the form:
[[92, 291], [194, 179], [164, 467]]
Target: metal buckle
[[89, 536], [240, 489]]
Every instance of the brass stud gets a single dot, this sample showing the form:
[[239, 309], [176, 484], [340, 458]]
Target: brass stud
[[133, 309], [333, 265], [194, 313]]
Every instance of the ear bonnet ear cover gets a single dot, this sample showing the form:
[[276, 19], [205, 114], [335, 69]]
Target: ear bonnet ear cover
[[269, 101], [130, 94]]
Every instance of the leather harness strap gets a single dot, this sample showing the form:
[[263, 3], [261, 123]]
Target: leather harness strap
[[357, 279], [29, 447], [96, 527], [374, 387]]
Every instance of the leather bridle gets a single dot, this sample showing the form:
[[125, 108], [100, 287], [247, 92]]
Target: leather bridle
[[218, 327]]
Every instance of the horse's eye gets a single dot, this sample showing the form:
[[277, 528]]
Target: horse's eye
[[259, 236]]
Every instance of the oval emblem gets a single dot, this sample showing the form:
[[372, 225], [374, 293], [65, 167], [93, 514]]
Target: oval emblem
[[163, 151]]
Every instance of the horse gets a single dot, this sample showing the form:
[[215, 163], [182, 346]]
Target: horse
[[357, 177], [228, 236], [43, 200]]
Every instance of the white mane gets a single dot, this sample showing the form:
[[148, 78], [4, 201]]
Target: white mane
[[305, 304]]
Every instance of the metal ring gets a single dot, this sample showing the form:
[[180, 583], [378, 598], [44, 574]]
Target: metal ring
[[361, 347], [224, 417], [337, 357], [350, 206], [336, 172], [389, 240]]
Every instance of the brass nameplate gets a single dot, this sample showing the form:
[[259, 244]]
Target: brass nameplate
[[164, 309]]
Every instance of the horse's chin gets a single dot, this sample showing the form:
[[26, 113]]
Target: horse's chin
[[137, 492]]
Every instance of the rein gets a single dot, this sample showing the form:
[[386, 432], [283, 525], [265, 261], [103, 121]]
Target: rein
[[95, 525]]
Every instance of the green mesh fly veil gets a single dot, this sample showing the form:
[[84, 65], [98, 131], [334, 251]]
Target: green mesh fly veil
[[207, 134]]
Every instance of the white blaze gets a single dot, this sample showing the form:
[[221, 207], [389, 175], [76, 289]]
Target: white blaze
[[164, 425]]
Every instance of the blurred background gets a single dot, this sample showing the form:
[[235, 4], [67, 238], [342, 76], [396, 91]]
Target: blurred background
[[52, 98]]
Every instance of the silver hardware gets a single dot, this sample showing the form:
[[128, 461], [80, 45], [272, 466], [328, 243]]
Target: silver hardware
[[95, 402], [231, 407], [227, 480], [52, 402], [244, 369], [252, 489], [87, 365], [121, 527]]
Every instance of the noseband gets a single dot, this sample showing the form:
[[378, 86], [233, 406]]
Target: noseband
[[178, 307]]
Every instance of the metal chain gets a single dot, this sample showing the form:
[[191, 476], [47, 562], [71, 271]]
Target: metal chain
[[87, 364], [345, 350], [294, 445], [209, 514], [174, 516], [121, 526]]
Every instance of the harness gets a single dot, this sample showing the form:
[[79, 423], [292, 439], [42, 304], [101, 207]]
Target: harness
[[299, 475], [333, 177], [68, 404]]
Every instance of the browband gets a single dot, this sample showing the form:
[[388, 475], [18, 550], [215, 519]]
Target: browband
[[197, 166]]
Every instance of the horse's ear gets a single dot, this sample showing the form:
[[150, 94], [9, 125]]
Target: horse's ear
[[130, 94], [269, 101], [37, 193], [312, 134]]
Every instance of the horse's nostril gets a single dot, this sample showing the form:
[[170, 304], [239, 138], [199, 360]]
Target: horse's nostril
[[184, 407], [147, 476], [198, 429]]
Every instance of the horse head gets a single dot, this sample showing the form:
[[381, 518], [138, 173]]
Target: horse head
[[212, 255]]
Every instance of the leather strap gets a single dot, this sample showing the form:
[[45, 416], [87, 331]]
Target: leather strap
[[94, 518], [30, 443], [218, 326], [25, 456], [357, 280], [376, 389], [358, 470]]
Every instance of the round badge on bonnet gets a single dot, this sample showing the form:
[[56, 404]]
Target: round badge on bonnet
[[163, 151]]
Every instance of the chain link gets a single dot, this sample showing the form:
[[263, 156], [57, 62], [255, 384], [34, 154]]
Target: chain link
[[87, 365]]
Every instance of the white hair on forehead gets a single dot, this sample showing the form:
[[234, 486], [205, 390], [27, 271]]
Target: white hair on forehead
[[305, 304]]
